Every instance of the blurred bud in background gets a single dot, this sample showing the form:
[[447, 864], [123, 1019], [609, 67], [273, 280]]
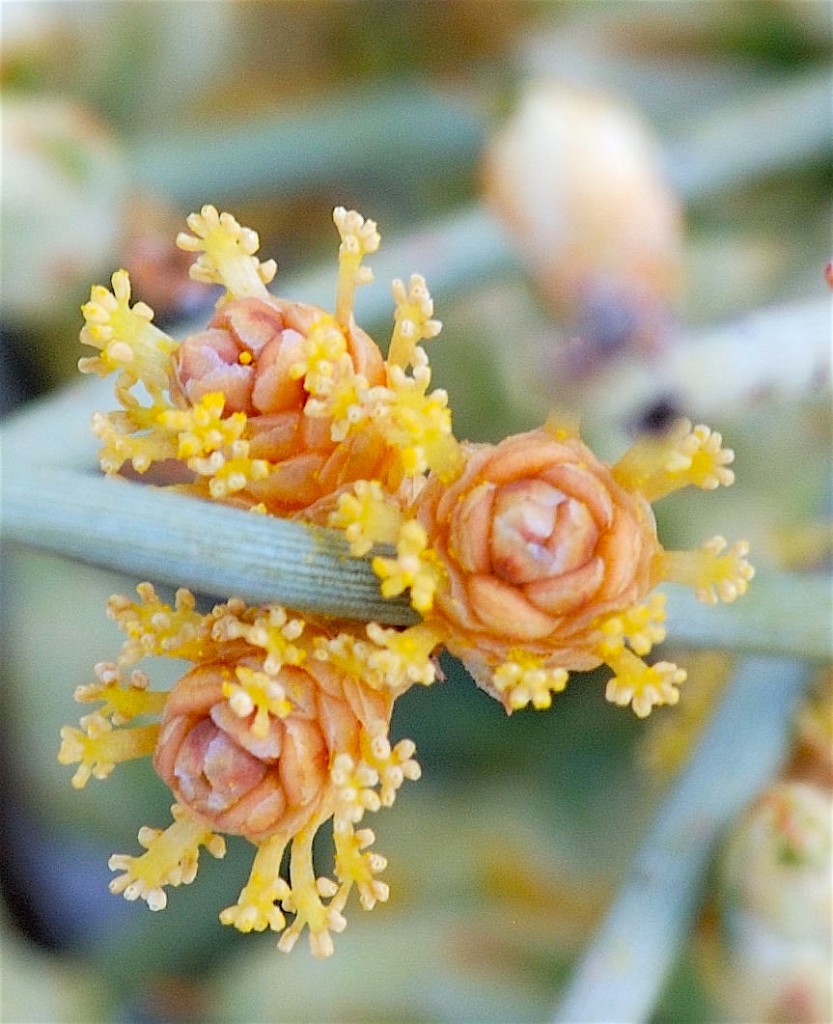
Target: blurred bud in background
[[765, 943], [64, 186], [159, 271], [79, 83], [575, 177]]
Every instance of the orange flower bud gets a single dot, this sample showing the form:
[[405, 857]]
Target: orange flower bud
[[252, 781], [248, 353], [538, 541]]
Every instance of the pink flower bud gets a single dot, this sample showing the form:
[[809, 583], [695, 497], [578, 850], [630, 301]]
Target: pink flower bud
[[255, 782], [247, 352], [539, 541]]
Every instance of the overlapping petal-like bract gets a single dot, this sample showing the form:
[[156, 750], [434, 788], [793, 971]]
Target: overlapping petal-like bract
[[539, 541], [247, 353], [245, 783]]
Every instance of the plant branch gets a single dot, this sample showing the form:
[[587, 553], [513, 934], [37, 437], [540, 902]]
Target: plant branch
[[170, 538]]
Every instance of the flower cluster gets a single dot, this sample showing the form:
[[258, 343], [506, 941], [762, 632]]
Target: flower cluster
[[272, 732], [528, 559]]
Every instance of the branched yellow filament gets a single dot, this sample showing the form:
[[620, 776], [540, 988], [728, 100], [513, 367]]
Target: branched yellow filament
[[100, 747], [227, 254], [412, 320], [121, 703], [524, 679], [340, 396], [356, 788], [305, 900], [367, 516], [684, 457], [642, 686], [127, 338], [155, 628], [717, 572], [403, 656], [417, 424], [353, 866], [393, 765], [415, 567], [359, 238], [322, 347], [171, 858], [202, 429], [257, 906], [258, 693], [272, 630], [641, 626], [116, 430]]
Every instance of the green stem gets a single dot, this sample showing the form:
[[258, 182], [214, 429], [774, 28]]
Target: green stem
[[622, 973], [170, 538]]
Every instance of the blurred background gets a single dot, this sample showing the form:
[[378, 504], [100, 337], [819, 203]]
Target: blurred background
[[623, 213]]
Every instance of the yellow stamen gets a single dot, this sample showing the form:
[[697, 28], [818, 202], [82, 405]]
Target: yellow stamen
[[393, 765], [202, 429], [121, 703], [641, 626], [256, 908], [412, 320], [355, 867], [323, 346], [654, 467], [259, 693], [305, 900], [227, 254], [359, 238], [272, 630], [416, 567], [416, 424], [171, 859], [524, 679], [128, 341], [156, 628], [116, 430], [341, 396], [642, 686], [356, 788], [403, 656], [368, 516], [230, 470], [717, 572], [100, 747]]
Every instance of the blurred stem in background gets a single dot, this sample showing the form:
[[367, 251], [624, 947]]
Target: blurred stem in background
[[620, 976]]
